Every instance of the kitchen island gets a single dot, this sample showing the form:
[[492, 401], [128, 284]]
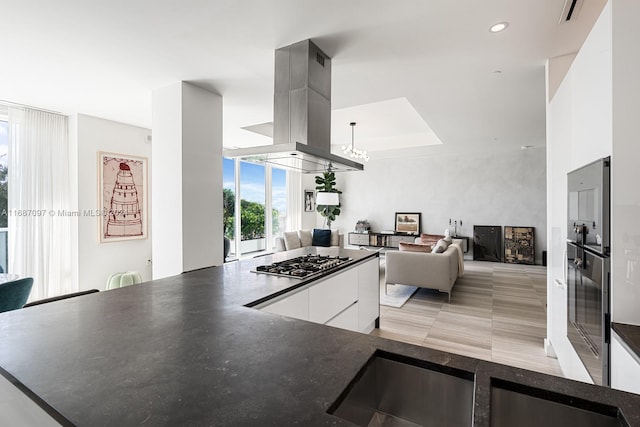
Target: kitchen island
[[188, 350]]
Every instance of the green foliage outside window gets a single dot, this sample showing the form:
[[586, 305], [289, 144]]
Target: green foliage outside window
[[252, 215]]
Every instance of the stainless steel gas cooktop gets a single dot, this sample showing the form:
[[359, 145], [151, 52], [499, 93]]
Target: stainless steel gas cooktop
[[303, 266]]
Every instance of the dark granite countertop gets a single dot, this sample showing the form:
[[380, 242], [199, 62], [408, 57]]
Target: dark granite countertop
[[186, 351], [630, 334]]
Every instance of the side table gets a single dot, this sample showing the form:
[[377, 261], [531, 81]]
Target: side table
[[465, 242]]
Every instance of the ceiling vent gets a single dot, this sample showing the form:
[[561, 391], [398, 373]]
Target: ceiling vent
[[570, 10]]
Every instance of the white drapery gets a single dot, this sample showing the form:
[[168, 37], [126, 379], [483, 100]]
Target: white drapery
[[39, 201], [294, 201]]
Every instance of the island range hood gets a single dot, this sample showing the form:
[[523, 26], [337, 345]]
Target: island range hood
[[301, 115]]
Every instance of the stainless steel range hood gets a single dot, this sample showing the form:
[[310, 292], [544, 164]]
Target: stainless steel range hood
[[302, 115]]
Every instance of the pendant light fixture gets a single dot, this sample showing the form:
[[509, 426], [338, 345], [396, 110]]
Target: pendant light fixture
[[351, 150], [324, 198], [327, 198]]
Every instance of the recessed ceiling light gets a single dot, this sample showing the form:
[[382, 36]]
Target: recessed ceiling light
[[500, 26]]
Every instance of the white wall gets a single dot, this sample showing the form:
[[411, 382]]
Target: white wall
[[187, 203], [557, 69], [202, 226], [97, 261], [579, 131], [167, 150], [482, 189]]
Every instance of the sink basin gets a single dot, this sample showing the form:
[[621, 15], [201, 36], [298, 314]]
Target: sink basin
[[395, 390], [515, 404]]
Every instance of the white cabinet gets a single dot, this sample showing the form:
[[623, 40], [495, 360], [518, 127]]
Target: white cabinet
[[293, 304], [329, 297], [359, 239], [368, 294], [625, 367], [348, 319], [396, 240], [349, 299]]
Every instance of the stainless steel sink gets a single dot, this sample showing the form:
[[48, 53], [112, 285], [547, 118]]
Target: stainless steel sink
[[513, 404], [394, 390]]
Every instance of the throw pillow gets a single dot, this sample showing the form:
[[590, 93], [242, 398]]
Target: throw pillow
[[291, 240], [335, 238], [430, 239], [413, 247], [440, 247], [321, 237], [305, 237]]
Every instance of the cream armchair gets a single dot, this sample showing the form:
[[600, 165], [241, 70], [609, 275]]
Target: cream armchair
[[425, 269]]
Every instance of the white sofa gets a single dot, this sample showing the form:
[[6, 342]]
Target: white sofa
[[302, 238], [425, 269]]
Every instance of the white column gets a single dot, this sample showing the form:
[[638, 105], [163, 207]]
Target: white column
[[187, 179]]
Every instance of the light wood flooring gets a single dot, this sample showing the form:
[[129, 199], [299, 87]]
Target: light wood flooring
[[497, 313]]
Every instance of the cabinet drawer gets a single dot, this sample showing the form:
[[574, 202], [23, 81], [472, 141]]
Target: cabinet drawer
[[348, 319], [395, 240], [368, 294], [625, 368], [296, 305], [331, 296], [358, 239]]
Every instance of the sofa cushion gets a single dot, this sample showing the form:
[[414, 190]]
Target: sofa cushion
[[440, 247], [305, 237], [321, 237], [291, 240], [414, 247], [335, 238], [430, 239]]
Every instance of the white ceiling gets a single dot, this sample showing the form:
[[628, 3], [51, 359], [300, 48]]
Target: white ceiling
[[104, 58]]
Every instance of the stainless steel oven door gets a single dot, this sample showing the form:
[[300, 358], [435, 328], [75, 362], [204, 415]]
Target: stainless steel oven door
[[588, 310], [589, 205]]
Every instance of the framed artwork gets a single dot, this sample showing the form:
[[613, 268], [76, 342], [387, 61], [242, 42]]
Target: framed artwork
[[309, 200], [487, 243], [123, 197], [519, 245], [408, 222]]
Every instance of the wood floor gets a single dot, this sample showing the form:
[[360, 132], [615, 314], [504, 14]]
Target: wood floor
[[497, 313]]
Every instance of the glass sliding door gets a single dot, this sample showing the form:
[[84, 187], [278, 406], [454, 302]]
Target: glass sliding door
[[252, 208], [229, 204], [278, 203], [255, 207]]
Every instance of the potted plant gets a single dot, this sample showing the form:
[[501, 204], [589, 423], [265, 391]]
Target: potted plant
[[326, 184]]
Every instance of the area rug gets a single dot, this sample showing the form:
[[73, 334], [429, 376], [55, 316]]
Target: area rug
[[396, 295]]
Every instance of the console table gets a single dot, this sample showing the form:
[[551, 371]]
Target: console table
[[381, 240], [465, 240]]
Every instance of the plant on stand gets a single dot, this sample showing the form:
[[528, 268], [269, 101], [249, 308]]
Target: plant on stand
[[326, 184]]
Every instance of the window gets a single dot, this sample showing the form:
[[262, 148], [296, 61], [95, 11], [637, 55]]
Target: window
[[252, 207], [262, 204], [278, 202], [4, 157], [229, 202]]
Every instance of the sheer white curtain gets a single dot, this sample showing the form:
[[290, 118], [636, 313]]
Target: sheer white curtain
[[39, 197], [294, 201]]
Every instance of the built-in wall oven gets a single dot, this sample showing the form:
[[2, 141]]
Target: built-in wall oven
[[588, 276]]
